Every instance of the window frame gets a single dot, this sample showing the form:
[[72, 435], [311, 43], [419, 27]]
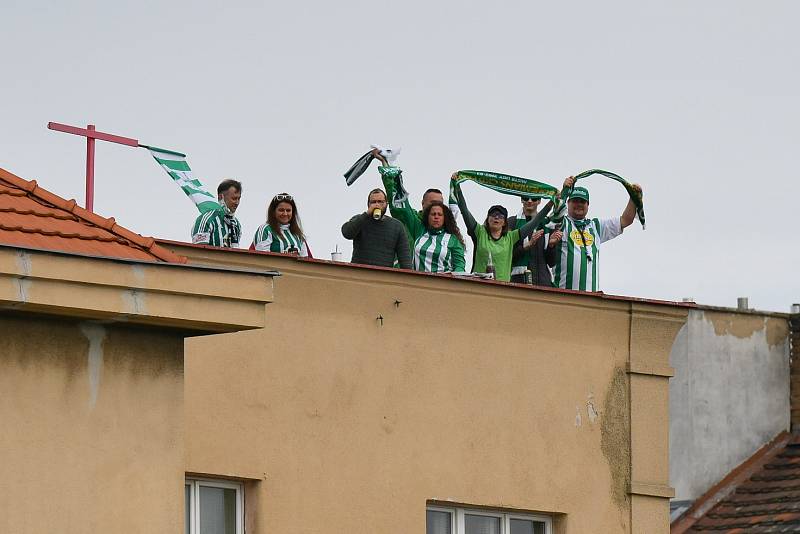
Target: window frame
[[458, 513], [195, 483]]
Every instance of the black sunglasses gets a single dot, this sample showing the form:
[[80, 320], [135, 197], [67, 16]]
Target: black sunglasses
[[280, 198], [526, 199]]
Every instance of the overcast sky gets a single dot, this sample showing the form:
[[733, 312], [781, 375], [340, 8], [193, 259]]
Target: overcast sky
[[696, 101]]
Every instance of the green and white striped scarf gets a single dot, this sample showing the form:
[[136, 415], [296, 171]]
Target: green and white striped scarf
[[635, 195], [556, 220], [502, 183], [175, 164], [505, 183]]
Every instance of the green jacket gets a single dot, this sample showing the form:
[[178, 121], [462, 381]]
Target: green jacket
[[388, 175], [431, 251]]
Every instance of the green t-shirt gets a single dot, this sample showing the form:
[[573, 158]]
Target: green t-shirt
[[502, 251]]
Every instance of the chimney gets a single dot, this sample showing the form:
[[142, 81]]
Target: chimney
[[741, 303]]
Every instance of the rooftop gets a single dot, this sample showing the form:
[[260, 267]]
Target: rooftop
[[32, 217], [762, 496]]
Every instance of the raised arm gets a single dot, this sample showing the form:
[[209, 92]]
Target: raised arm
[[405, 213], [389, 176], [469, 220], [627, 217], [351, 228], [534, 223]]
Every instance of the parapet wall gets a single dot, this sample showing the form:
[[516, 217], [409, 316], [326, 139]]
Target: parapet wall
[[373, 392], [729, 396]]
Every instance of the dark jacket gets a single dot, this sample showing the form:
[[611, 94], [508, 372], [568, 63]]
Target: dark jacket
[[378, 242], [537, 258]]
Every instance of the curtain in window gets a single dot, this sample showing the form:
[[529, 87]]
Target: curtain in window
[[217, 510], [481, 524], [526, 526], [438, 522]]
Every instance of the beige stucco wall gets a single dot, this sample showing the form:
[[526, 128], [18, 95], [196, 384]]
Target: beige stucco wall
[[92, 427], [466, 392]]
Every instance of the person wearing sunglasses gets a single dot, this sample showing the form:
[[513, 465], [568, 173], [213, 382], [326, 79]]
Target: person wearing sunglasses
[[282, 233], [493, 240], [531, 253]]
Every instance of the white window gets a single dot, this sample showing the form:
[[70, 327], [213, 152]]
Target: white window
[[213, 507], [444, 520]]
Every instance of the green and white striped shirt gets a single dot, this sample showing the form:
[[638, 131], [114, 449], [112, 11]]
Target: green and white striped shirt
[[211, 228], [438, 251], [578, 254], [267, 240]]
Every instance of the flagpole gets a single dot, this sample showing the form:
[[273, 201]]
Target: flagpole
[[90, 169]]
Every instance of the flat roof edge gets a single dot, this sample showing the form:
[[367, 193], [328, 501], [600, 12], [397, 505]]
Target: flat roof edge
[[128, 261], [458, 279]]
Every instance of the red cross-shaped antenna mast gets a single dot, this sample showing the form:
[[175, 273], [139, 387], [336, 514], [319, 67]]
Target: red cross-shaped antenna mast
[[91, 134]]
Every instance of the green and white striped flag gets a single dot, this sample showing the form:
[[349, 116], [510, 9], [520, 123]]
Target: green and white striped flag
[[175, 164]]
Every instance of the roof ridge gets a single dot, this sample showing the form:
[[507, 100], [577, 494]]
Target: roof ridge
[[133, 239], [70, 235]]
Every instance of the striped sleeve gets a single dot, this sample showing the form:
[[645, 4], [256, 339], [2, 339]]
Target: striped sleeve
[[263, 238], [457, 262], [203, 231]]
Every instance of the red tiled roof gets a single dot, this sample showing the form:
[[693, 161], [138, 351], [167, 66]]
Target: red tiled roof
[[32, 217], [769, 501]]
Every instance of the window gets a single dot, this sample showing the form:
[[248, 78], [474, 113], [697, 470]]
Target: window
[[443, 520], [213, 507]]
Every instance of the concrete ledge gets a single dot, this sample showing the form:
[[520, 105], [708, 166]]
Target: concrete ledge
[[651, 490], [166, 295], [643, 369]]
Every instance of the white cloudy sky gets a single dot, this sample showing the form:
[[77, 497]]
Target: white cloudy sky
[[697, 101]]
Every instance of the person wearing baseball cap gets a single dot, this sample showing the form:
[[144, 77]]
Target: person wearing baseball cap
[[493, 241], [576, 245]]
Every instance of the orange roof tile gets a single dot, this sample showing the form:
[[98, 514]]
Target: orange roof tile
[[32, 217]]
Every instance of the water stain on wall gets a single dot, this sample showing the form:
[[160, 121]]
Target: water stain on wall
[[615, 437], [744, 326], [777, 331], [741, 326]]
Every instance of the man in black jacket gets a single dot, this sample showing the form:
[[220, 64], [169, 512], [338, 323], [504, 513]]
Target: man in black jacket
[[377, 239], [531, 253]]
